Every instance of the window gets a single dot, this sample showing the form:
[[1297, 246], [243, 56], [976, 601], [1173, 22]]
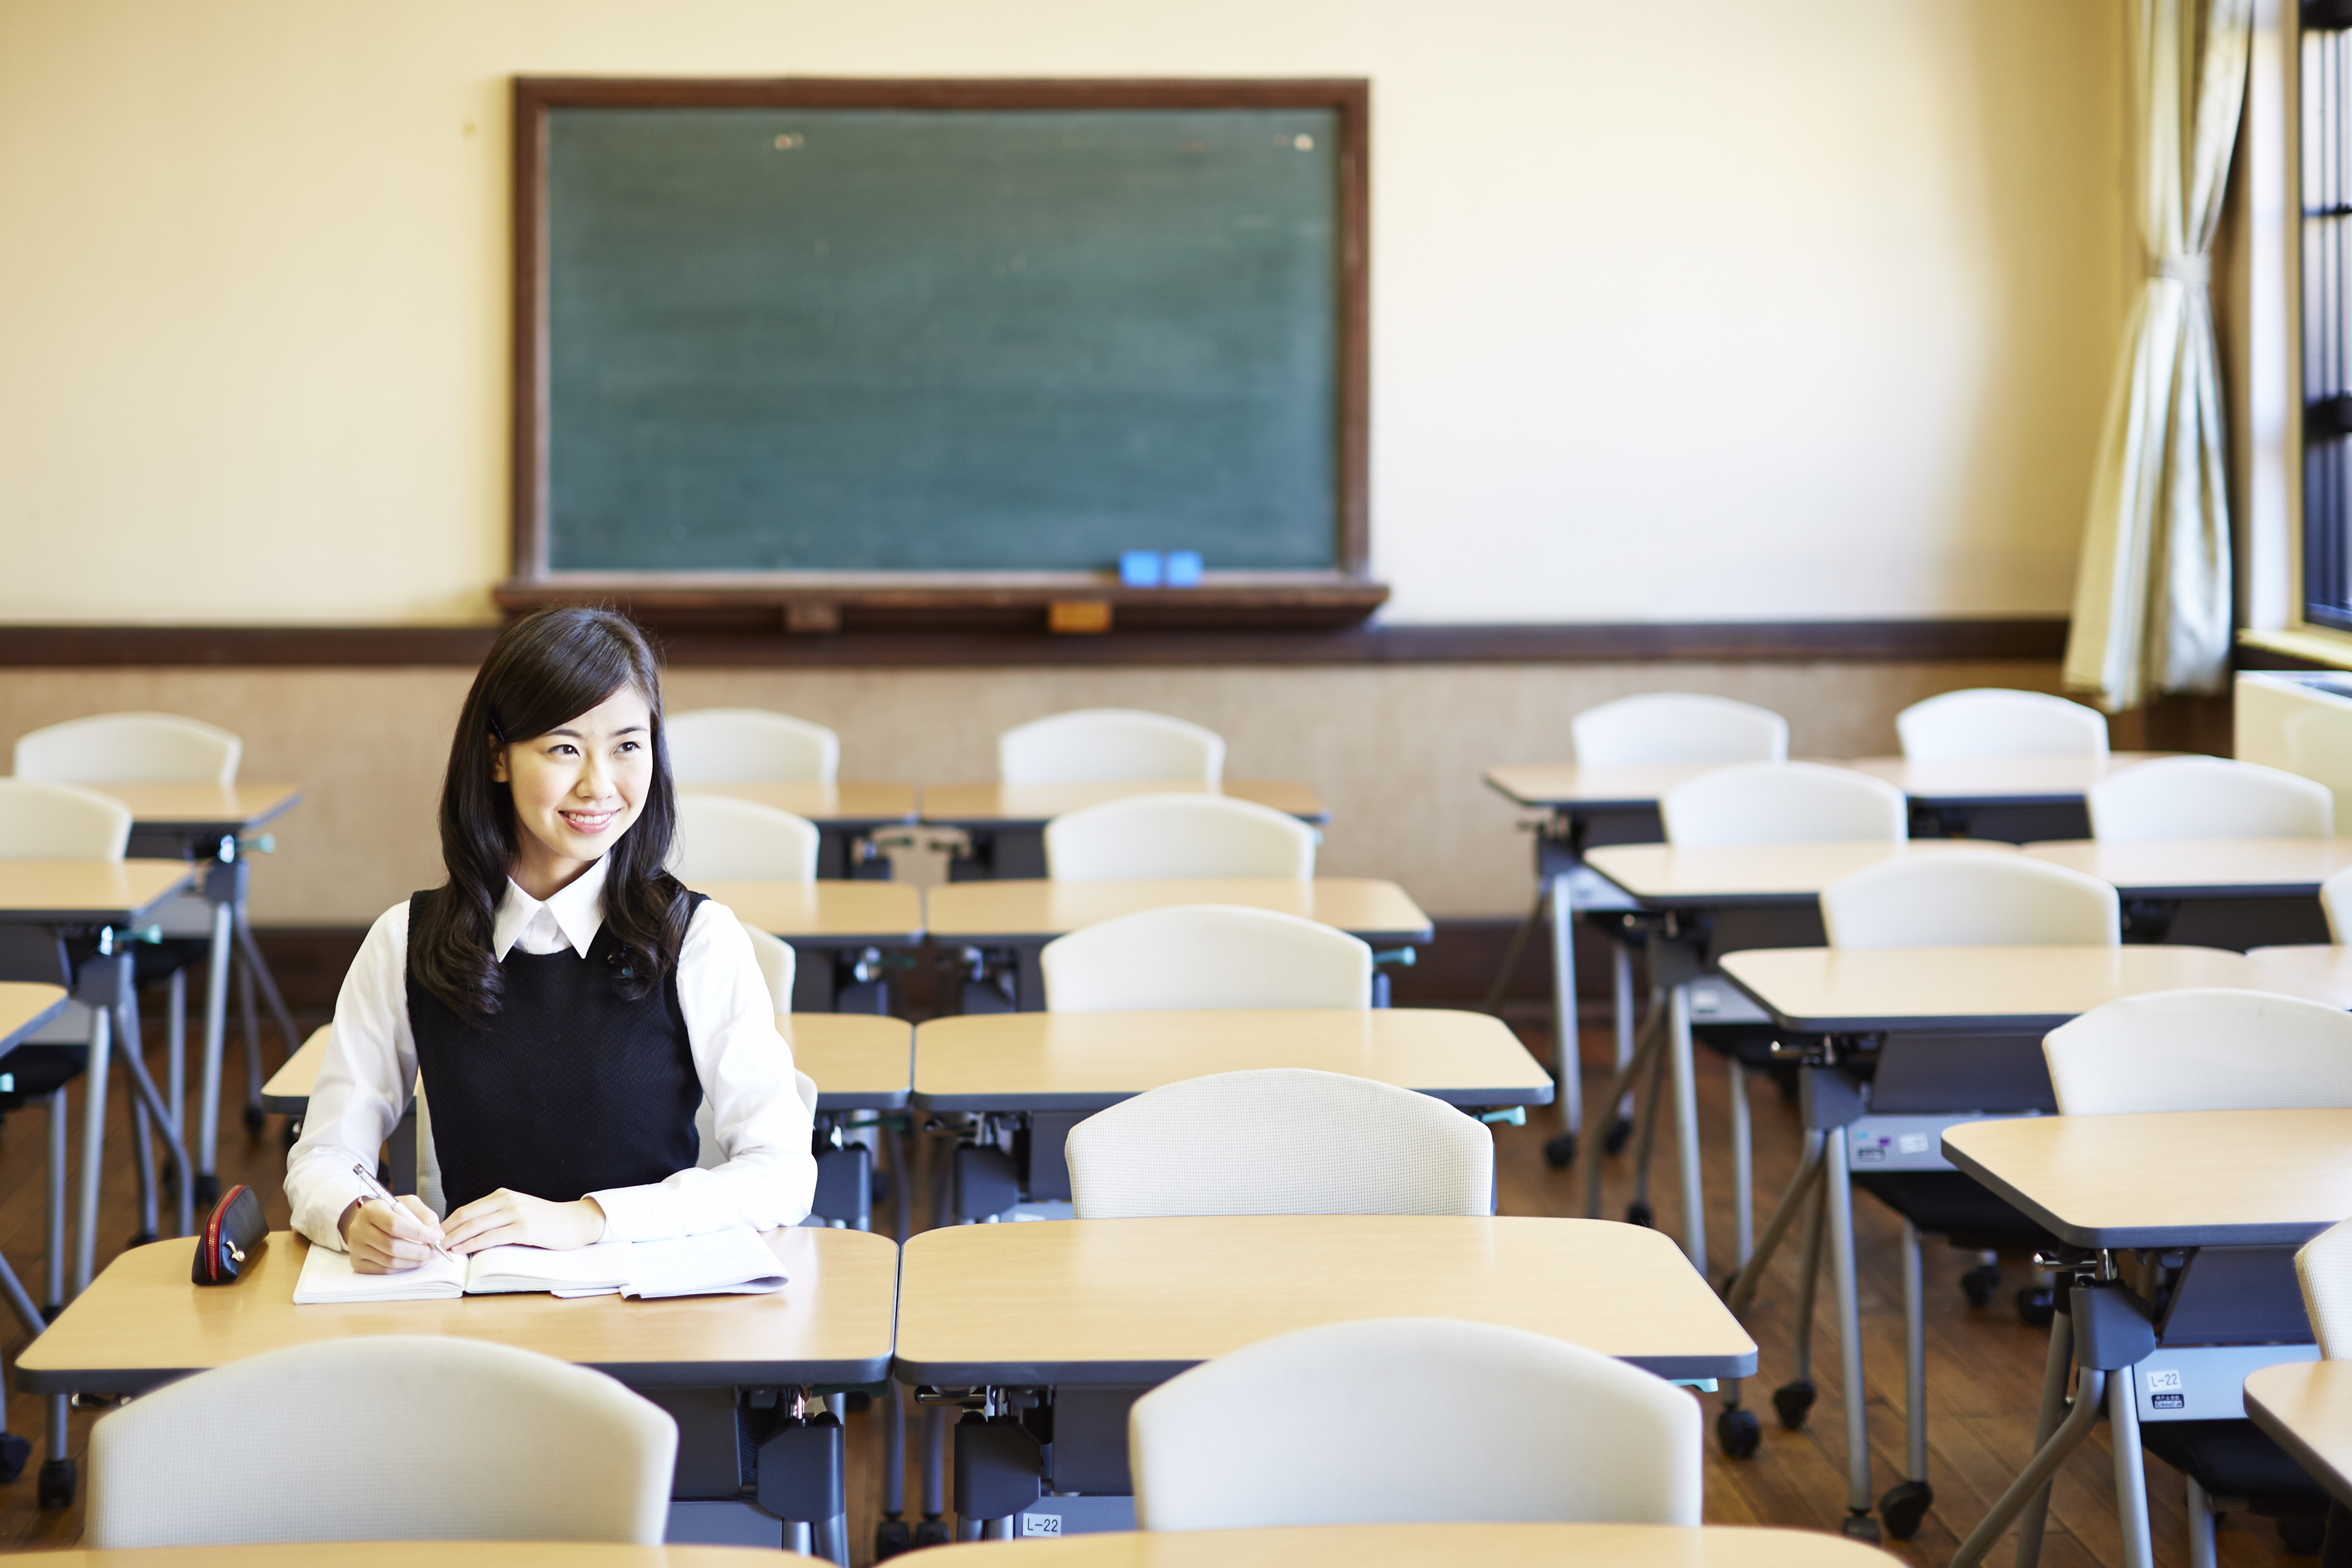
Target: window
[[2327, 237]]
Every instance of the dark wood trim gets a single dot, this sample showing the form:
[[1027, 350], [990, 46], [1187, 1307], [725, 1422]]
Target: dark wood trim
[[1828, 642], [941, 603]]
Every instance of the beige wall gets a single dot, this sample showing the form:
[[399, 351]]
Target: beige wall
[[1396, 752], [1723, 309]]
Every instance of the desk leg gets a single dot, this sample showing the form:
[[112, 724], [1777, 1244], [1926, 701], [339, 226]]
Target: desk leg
[[60, 1179], [143, 1089], [2035, 1478], [207, 1149], [93, 1144], [57, 1483], [1686, 1093], [2131, 1467], [1743, 1165], [2036, 1509], [2201, 1522], [1839, 1219], [1565, 1055], [1620, 1090], [175, 1043], [1624, 1008], [257, 972]]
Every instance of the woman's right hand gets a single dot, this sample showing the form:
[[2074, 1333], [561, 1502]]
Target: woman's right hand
[[384, 1238]]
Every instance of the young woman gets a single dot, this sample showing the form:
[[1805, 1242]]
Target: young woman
[[568, 1004]]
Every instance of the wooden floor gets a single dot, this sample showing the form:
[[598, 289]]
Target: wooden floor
[[1983, 1380]]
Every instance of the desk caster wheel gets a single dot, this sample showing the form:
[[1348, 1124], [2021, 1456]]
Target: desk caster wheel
[[1792, 1402], [56, 1489], [1737, 1432], [1560, 1151], [254, 1121], [891, 1537], [933, 1533], [1860, 1527], [1639, 1214], [207, 1190], [2036, 1305], [140, 1239], [1979, 1283], [1905, 1505], [14, 1454], [1613, 1141]]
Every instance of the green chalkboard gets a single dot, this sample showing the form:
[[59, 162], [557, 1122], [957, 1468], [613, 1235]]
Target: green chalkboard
[[861, 339]]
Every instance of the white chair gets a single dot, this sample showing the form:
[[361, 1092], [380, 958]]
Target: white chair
[[1783, 803], [1102, 744], [1181, 836], [42, 821], [1506, 1426], [778, 964], [1970, 899], [2207, 797], [2201, 1050], [382, 1437], [1279, 1140], [1990, 722], [722, 839], [1677, 727], [749, 745], [130, 748], [2323, 1269], [1206, 956], [2336, 903]]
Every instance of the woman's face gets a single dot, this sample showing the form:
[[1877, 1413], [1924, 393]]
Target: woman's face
[[577, 788]]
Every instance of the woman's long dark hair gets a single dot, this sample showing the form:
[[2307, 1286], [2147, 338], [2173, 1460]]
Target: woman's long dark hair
[[548, 666]]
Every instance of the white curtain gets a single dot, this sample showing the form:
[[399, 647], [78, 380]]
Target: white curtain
[[2152, 599]]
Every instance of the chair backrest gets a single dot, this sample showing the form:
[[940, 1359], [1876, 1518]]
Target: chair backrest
[[130, 748], [2324, 1267], [1783, 803], [1149, 835], [778, 964], [1516, 1427], [1280, 1140], [2201, 1050], [1990, 722], [1969, 898], [1206, 956], [2209, 797], [1677, 727], [2336, 903], [749, 745], [1103, 744], [485, 1442], [722, 839], [41, 821]]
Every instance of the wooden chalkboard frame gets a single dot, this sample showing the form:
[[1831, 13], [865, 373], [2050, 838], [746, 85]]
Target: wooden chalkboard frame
[[831, 601]]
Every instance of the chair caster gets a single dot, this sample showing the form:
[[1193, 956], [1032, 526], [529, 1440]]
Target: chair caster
[[891, 1537], [14, 1454], [933, 1533], [1613, 1141], [207, 1189], [141, 1238], [1981, 1282], [1860, 1527], [1560, 1151], [1737, 1431], [254, 1121], [1792, 1402], [1905, 1505], [2036, 1305], [56, 1488], [1639, 1214]]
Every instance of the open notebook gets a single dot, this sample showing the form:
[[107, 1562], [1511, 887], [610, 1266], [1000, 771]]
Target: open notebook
[[721, 1263]]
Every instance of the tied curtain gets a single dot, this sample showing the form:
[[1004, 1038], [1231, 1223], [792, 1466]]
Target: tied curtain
[[2152, 598]]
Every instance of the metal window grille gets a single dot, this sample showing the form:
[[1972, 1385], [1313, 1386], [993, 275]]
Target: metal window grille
[[2327, 312]]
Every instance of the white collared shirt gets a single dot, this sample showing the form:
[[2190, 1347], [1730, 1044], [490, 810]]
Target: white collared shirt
[[768, 1176]]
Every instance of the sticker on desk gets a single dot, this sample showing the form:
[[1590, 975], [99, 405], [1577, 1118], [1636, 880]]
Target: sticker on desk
[[1041, 1525], [1912, 1143], [2164, 1378]]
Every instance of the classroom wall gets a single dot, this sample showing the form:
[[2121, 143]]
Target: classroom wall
[[1715, 311], [1396, 752]]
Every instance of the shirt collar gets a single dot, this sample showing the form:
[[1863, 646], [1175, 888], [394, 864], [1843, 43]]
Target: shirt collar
[[577, 908]]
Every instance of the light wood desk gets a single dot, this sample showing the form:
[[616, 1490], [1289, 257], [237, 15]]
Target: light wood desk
[[86, 894], [430, 1555], [2320, 970], [2203, 868], [859, 1062], [2308, 1407], [2011, 798], [844, 814], [1137, 1300], [830, 923], [1427, 1546], [1086, 1061], [141, 1323], [23, 1008], [1568, 786], [2174, 1180], [1005, 824], [1733, 876], [198, 811]]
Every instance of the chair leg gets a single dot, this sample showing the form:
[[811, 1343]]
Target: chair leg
[[2200, 1525], [1743, 1166]]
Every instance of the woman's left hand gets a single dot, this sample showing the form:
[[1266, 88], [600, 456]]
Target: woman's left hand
[[507, 1218]]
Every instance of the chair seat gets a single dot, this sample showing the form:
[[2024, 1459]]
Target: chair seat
[[33, 1072], [2237, 1459]]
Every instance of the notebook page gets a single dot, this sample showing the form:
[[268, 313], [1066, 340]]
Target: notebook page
[[599, 1269], [723, 1263], [327, 1276]]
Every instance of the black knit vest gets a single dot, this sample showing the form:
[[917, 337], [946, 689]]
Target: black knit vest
[[570, 1088]]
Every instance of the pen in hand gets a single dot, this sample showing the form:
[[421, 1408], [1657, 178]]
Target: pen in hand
[[376, 1189]]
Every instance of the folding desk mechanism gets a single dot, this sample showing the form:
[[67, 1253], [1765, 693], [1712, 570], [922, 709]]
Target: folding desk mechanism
[[757, 1467], [1043, 1460], [1004, 1160]]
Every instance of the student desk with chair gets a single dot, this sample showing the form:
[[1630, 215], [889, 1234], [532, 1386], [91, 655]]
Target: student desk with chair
[[846, 925], [141, 1324], [1083, 1316], [440, 1554], [1004, 823], [846, 815], [1021, 1080], [211, 826], [2218, 1200], [1420, 1545], [2009, 800], [1023, 915], [2306, 1407], [26, 1006], [1940, 1036], [2211, 892]]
